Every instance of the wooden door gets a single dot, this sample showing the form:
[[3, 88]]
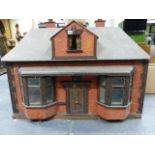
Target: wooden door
[[77, 97]]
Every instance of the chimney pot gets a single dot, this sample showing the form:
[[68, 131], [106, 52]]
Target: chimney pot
[[100, 23], [50, 23]]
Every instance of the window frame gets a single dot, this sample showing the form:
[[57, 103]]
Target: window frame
[[33, 86], [108, 90], [42, 87]]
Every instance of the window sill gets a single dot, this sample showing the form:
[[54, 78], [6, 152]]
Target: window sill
[[75, 51], [112, 106], [40, 106], [61, 102]]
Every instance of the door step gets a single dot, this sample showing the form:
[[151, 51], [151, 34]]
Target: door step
[[68, 116]]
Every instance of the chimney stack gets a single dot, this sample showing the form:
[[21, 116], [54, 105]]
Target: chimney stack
[[100, 23], [50, 23]]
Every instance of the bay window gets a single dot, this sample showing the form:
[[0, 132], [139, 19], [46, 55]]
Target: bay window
[[114, 90], [38, 91]]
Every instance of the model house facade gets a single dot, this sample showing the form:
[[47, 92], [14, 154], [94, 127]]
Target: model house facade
[[77, 71]]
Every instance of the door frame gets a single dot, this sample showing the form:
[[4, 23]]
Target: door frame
[[69, 84]]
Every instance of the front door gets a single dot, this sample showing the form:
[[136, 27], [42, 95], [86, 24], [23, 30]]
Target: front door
[[77, 97], [76, 100]]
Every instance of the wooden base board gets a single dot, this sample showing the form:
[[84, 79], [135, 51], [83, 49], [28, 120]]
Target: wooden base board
[[77, 117], [134, 116]]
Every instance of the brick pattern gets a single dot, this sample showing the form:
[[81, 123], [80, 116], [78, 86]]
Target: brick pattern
[[50, 24], [61, 45], [112, 113], [136, 86], [18, 88], [61, 109], [12, 87], [100, 23], [40, 113]]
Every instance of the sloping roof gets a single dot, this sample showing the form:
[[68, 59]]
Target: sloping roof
[[115, 44], [112, 44]]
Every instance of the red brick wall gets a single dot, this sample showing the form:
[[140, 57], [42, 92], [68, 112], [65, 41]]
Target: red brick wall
[[112, 113], [61, 43], [100, 23], [136, 86], [50, 24], [18, 88], [40, 113], [92, 93]]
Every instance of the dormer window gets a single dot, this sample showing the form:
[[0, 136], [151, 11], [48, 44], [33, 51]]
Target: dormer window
[[74, 39]]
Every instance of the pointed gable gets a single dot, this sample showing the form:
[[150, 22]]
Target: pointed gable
[[74, 41]]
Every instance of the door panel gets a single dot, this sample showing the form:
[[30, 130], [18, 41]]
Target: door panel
[[77, 101], [77, 96]]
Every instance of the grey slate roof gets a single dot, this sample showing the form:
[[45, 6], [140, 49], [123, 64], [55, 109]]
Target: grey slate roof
[[112, 44], [71, 70]]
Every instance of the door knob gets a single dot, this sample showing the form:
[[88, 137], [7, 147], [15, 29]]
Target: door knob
[[76, 102]]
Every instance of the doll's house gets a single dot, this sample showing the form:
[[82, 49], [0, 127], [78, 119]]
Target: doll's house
[[76, 71]]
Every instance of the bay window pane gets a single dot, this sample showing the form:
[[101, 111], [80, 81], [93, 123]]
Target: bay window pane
[[102, 81], [117, 81], [33, 81], [102, 94], [49, 94], [34, 91], [34, 96], [117, 96], [49, 81], [49, 90]]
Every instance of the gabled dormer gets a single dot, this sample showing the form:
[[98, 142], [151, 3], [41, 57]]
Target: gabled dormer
[[74, 41]]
